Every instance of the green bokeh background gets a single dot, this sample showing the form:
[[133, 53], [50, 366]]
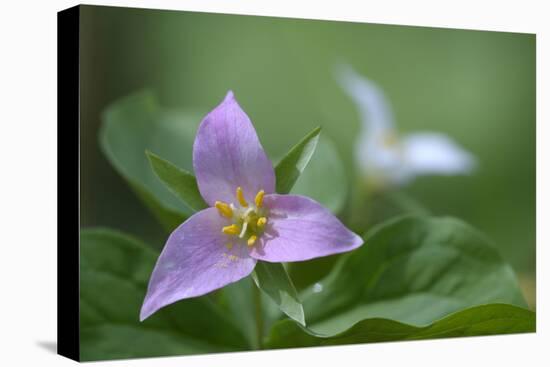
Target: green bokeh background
[[476, 86]]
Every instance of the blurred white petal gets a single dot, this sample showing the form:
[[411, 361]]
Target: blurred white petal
[[381, 163], [435, 153], [374, 109]]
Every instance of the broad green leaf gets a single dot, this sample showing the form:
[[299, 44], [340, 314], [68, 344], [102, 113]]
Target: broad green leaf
[[295, 161], [168, 218], [413, 270], [489, 319], [114, 273], [135, 124], [180, 182], [274, 281], [368, 207], [324, 178]]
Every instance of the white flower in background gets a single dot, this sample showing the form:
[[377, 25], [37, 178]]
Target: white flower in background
[[383, 156]]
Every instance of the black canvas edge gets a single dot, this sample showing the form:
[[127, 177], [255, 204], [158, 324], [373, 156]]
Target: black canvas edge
[[68, 183]]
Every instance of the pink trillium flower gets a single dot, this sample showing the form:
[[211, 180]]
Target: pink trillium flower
[[246, 221]]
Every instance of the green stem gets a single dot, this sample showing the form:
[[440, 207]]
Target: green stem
[[259, 317], [358, 208], [407, 204]]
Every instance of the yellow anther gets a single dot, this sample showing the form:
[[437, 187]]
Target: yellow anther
[[240, 197], [251, 240], [224, 209], [261, 222], [232, 229], [259, 198]]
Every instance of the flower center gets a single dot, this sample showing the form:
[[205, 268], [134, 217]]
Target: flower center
[[249, 220], [390, 140]]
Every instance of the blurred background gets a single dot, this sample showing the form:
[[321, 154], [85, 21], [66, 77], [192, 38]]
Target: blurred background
[[476, 86]]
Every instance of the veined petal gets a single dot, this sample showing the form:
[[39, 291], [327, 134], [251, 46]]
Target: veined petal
[[298, 228], [195, 260], [374, 110], [227, 154], [435, 153]]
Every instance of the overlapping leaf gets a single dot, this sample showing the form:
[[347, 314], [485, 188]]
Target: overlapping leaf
[[180, 182], [324, 179], [291, 166], [414, 270], [480, 320]]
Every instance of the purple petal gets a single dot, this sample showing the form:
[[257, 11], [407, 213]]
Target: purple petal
[[195, 260], [298, 228], [227, 154]]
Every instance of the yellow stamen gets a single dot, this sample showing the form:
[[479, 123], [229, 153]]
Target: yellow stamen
[[240, 197], [261, 222], [232, 229], [259, 198], [251, 240], [224, 209], [229, 245]]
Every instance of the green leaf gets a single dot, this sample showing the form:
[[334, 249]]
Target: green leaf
[[168, 218], [237, 299], [414, 270], [135, 124], [274, 281], [324, 178], [180, 182], [489, 319], [114, 273], [295, 161]]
